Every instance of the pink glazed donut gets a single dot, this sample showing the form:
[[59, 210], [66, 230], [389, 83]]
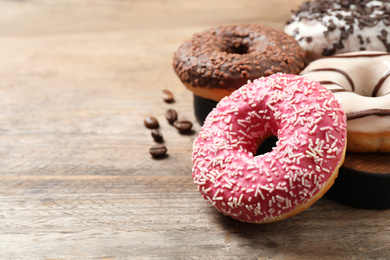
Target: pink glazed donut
[[311, 129]]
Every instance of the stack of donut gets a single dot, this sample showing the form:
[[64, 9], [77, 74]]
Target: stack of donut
[[250, 82], [348, 44]]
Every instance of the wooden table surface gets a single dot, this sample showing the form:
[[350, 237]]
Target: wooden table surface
[[77, 78]]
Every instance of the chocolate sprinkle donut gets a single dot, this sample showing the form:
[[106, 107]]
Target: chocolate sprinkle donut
[[327, 27], [228, 56]]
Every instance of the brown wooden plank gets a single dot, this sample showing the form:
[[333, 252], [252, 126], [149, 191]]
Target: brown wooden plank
[[163, 216], [368, 162]]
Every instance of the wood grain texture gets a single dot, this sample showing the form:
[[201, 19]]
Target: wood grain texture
[[368, 162], [76, 178]]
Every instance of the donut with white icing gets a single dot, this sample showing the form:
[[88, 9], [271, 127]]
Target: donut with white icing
[[311, 129], [328, 27], [361, 81]]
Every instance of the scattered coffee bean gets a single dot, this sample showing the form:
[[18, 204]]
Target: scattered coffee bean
[[167, 96], [158, 150], [151, 122], [183, 126], [171, 115], [157, 135]]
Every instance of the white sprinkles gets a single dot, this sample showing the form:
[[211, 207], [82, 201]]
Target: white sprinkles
[[311, 131]]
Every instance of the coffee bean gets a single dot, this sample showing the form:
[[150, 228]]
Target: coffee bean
[[151, 122], [158, 150], [183, 126], [167, 96], [157, 135], [171, 115]]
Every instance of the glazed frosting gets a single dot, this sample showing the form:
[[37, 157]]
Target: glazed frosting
[[327, 27], [311, 129], [361, 81]]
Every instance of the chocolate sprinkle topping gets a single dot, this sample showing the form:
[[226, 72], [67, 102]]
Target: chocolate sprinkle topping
[[347, 16], [367, 112], [228, 56]]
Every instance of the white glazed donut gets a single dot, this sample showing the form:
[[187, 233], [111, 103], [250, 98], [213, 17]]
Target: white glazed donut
[[311, 129], [327, 27], [361, 81]]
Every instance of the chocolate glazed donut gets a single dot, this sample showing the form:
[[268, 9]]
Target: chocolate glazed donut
[[214, 63]]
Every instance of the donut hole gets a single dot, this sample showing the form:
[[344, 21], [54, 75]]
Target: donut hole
[[267, 145], [240, 49], [238, 46]]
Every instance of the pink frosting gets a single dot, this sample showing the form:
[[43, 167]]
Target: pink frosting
[[311, 129]]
